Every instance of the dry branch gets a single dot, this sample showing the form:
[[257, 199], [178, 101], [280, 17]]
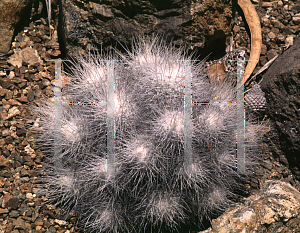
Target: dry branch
[[253, 22]]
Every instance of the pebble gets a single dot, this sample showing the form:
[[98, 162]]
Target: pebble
[[60, 222], [29, 196]]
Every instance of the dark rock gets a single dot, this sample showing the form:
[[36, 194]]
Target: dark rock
[[271, 54], [4, 162], [19, 223], [11, 13], [281, 84], [23, 99], [5, 83], [21, 132], [296, 8], [9, 140], [13, 203], [14, 214], [102, 25], [22, 69]]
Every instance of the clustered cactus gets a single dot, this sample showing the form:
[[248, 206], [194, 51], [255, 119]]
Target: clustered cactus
[[150, 189]]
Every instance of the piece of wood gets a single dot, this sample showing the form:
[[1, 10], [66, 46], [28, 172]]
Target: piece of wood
[[216, 72], [253, 22]]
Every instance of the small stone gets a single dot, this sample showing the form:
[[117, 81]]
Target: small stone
[[29, 196], [5, 83], [21, 132], [236, 29], [15, 59], [4, 162], [280, 38], [265, 22], [14, 214], [46, 82], [30, 95], [271, 54], [23, 99], [24, 209], [271, 35], [296, 19], [296, 8], [13, 203], [14, 102], [14, 111], [289, 40], [9, 95], [3, 92], [60, 222], [2, 142], [39, 222], [23, 69], [55, 53], [4, 211], [24, 172], [279, 3], [51, 229], [267, 4], [19, 224], [263, 50], [5, 133], [29, 150]]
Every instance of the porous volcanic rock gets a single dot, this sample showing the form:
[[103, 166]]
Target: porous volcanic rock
[[275, 208], [281, 84]]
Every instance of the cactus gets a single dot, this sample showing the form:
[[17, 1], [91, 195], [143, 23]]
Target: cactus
[[150, 189]]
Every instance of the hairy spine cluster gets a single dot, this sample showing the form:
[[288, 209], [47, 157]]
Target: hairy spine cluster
[[150, 187]]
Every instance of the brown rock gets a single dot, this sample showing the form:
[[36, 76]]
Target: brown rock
[[5, 133], [280, 38], [9, 95], [4, 211], [13, 203], [2, 142], [28, 55], [2, 181], [267, 4], [236, 29], [13, 102], [263, 50], [4, 162], [16, 59], [3, 115], [55, 53], [22, 85], [14, 111], [271, 54], [3, 92], [19, 223], [5, 82], [23, 99], [6, 197], [296, 19], [11, 12], [271, 35], [21, 132], [30, 95], [265, 22]]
